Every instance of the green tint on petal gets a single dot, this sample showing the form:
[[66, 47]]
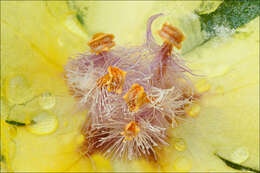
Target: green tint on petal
[[57, 151], [229, 116], [129, 27], [37, 39], [44, 33], [36, 45]]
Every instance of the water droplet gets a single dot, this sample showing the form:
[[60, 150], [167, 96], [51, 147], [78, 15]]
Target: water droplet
[[20, 113], [207, 7], [240, 155], [193, 109], [180, 145], [47, 100], [18, 90], [43, 123], [202, 86], [182, 164]]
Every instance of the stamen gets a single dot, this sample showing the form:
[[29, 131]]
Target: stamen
[[138, 127], [171, 35], [101, 42], [165, 52], [114, 80], [102, 81], [135, 97], [131, 131]]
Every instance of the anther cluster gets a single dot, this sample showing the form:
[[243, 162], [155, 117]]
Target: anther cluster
[[133, 95]]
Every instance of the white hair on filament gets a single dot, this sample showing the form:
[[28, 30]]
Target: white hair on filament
[[133, 95]]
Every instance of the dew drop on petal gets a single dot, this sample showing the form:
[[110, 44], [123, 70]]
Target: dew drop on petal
[[182, 164], [240, 155], [44, 123], [180, 145], [207, 7], [202, 86], [20, 113], [47, 100], [193, 110], [18, 90]]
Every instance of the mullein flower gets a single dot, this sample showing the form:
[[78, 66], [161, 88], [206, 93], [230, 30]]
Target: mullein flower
[[133, 94], [228, 112]]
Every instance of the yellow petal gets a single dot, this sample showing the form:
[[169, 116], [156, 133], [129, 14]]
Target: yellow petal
[[228, 119], [39, 37]]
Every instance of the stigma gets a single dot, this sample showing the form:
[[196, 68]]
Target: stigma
[[101, 42], [113, 80], [135, 97]]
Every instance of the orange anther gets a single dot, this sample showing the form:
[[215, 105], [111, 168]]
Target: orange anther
[[101, 42], [131, 130], [97, 35], [117, 79], [103, 81], [114, 80], [172, 35], [135, 97]]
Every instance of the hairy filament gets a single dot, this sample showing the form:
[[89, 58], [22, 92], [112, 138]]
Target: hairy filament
[[133, 95]]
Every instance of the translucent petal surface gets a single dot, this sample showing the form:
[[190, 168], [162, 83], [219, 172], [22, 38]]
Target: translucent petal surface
[[38, 37]]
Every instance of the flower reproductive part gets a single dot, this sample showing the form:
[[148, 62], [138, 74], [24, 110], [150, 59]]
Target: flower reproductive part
[[101, 42], [114, 80], [133, 95]]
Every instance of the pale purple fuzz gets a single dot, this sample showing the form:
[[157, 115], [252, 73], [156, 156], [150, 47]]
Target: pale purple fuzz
[[109, 115]]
